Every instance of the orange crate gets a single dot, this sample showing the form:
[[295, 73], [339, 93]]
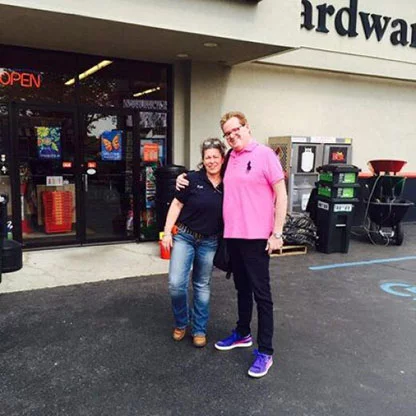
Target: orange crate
[[57, 211]]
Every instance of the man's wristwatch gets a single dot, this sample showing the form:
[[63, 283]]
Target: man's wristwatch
[[278, 235]]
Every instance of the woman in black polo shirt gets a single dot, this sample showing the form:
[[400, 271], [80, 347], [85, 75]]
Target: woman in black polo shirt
[[197, 212]]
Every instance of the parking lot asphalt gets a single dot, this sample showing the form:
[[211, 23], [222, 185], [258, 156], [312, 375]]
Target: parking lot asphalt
[[345, 343]]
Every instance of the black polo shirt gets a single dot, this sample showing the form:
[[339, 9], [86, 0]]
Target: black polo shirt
[[202, 210]]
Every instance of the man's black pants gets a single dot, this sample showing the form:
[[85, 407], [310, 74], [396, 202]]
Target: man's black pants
[[250, 266]]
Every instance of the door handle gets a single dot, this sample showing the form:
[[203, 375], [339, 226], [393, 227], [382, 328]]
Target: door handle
[[85, 177]]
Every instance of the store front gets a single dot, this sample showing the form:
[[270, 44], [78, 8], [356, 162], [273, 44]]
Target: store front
[[80, 138]]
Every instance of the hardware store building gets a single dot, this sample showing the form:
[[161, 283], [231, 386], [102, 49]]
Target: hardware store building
[[95, 96]]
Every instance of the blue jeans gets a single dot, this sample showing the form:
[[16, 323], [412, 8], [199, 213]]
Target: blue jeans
[[189, 251]]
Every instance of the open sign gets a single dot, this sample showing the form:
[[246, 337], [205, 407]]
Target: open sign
[[24, 79]]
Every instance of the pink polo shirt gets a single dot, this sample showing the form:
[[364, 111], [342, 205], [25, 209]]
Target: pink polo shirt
[[248, 207]]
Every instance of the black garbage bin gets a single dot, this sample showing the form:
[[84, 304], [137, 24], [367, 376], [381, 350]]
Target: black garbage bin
[[165, 190], [334, 218], [10, 250], [336, 195]]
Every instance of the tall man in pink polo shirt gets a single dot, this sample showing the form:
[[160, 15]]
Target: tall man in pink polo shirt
[[254, 211]]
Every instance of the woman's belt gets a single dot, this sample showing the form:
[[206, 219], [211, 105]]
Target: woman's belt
[[187, 230]]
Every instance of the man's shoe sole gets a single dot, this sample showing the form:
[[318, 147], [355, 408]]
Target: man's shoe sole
[[258, 375], [231, 347]]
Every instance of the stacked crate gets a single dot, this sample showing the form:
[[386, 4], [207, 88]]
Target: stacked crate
[[57, 211]]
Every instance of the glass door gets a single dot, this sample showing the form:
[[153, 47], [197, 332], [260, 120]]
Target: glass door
[[5, 174], [107, 176], [45, 149]]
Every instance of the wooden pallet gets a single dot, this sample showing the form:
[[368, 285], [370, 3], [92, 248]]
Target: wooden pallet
[[289, 251]]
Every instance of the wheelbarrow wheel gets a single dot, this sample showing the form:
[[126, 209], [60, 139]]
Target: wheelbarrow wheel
[[374, 233], [398, 235]]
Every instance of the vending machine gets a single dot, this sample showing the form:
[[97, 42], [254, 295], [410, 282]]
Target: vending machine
[[301, 156]]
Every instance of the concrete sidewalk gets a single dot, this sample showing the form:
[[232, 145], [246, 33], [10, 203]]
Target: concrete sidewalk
[[344, 346], [68, 266]]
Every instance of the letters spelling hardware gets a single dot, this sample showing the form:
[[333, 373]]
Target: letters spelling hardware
[[405, 33]]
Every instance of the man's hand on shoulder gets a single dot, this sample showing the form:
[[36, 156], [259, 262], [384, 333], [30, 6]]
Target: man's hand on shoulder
[[181, 181]]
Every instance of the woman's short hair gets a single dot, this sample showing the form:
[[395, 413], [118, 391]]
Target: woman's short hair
[[213, 143]]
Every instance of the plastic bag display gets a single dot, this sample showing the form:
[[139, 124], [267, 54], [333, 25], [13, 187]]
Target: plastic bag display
[[299, 229]]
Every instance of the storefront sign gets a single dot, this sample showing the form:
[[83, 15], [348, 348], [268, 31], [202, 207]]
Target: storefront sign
[[24, 79], [348, 21]]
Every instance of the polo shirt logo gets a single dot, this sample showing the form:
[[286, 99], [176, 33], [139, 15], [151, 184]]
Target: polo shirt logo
[[200, 187]]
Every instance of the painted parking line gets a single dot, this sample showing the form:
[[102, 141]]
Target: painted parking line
[[361, 263]]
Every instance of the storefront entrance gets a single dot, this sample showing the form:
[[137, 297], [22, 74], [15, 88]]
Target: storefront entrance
[[80, 140], [76, 173]]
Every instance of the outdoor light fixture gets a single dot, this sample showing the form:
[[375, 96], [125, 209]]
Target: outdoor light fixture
[[182, 55], [90, 71], [210, 44], [145, 92]]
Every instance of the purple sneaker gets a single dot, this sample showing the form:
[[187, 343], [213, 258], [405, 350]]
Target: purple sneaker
[[261, 364], [234, 341]]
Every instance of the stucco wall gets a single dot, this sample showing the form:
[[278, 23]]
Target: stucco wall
[[377, 114]]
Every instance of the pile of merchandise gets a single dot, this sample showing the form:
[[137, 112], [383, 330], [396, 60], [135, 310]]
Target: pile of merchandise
[[299, 229]]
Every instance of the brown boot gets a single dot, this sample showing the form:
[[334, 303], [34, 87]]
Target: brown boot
[[200, 341], [178, 334]]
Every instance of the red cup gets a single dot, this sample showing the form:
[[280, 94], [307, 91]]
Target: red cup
[[164, 253]]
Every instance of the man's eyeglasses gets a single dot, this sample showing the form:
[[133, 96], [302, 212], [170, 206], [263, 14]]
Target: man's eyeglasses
[[232, 131]]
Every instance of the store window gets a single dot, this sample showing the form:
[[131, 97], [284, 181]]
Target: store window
[[88, 131], [104, 82], [28, 76]]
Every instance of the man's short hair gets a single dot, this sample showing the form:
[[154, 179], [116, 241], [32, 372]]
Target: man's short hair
[[231, 114]]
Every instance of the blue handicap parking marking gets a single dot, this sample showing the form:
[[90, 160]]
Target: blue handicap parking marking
[[399, 289], [362, 263]]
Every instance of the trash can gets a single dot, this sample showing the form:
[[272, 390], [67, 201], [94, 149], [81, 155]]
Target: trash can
[[10, 250], [334, 218], [165, 190], [336, 196]]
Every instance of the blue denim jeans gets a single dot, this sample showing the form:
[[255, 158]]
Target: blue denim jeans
[[189, 252]]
